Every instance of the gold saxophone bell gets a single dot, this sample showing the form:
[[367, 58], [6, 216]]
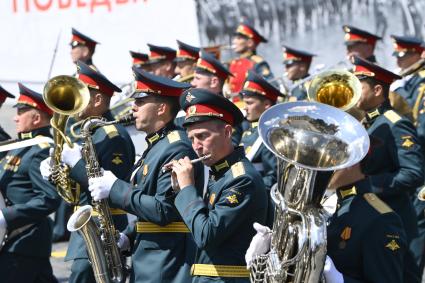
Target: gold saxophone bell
[[338, 88], [66, 96]]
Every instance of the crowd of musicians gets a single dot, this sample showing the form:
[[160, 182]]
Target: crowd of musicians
[[208, 221]]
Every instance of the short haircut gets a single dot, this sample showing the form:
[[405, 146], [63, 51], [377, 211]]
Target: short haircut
[[172, 102], [373, 82]]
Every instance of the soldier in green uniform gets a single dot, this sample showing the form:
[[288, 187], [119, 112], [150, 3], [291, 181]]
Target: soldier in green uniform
[[360, 43], [394, 165], [258, 95], [163, 249], [3, 95], [297, 63], [221, 221], [115, 152], [186, 58], [29, 199], [245, 41], [412, 87], [82, 48], [161, 61]]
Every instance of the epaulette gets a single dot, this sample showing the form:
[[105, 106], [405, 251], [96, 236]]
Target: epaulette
[[392, 116], [110, 130], [173, 136], [44, 145], [238, 169], [377, 203], [422, 73], [257, 59]]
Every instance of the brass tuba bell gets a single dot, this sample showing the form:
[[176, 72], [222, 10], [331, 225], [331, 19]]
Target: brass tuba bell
[[66, 96], [338, 88]]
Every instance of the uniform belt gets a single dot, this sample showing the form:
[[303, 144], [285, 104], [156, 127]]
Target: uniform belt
[[258, 166], [173, 227], [114, 211], [219, 270]]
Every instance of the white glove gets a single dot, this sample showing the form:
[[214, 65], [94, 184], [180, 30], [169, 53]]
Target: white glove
[[332, 275], [123, 242], [70, 156], [100, 187], [260, 243], [3, 224], [45, 168]]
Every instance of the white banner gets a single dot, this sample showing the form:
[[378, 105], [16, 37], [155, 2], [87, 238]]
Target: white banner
[[30, 30]]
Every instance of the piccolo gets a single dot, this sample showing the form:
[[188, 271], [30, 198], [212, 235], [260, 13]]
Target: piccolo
[[168, 166]]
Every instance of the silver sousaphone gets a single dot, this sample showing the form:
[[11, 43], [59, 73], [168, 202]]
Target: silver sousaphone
[[310, 140]]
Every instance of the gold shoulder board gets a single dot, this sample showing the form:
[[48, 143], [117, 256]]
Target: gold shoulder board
[[44, 144], [238, 169], [377, 203], [422, 73], [110, 130], [173, 136], [257, 59], [392, 116]]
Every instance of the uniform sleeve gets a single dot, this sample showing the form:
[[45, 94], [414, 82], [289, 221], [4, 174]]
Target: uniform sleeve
[[44, 198], [270, 167], [158, 208], [114, 153], [405, 153], [211, 227], [384, 248]]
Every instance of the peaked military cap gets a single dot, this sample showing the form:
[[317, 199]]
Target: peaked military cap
[[292, 55], [95, 80], [5, 94], [160, 53], [139, 59], [29, 98], [247, 30], [364, 69], [256, 85], [202, 105], [186, 52], [209, 64], [406, 44], [149, 84], [354, 35], [80, 39]]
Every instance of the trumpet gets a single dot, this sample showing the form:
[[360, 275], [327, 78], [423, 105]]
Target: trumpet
[[169, 165]]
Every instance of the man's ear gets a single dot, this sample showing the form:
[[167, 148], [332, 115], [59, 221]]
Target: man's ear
[[267, 103], [228, 131], [251, 44], [97, 99], [36, 118], [86, 52], [162, 108], [378, 89], [214, 82]]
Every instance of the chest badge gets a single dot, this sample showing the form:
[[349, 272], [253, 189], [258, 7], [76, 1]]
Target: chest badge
[[212, 198], [407, 141], [145, 170], [345, 236], [233, 199], [392, 245], [117, 159]]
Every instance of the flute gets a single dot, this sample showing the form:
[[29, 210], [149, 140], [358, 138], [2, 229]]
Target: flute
[[168, 166]]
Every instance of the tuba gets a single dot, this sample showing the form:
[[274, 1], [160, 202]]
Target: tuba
[[66, 96], [100, 239], [310, 140]]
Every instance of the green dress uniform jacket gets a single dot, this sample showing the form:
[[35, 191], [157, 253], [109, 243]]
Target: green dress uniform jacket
[[395, 163], [221, 223], [366, 239], [411, 89], [3, 137], [163, 249], [115, 152], [29, 198]]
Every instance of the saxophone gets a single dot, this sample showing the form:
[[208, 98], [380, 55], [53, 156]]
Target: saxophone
[[100, 239], [310, 140]]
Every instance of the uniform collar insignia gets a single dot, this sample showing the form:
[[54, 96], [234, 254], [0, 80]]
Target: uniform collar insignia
[[223, 165], [45, 131], [153, 138], [373, 114], [254, 124], [344, 193], [247, 54], [24, 136]]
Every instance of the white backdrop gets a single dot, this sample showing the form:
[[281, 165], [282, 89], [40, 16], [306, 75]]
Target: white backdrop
[[30, 29]]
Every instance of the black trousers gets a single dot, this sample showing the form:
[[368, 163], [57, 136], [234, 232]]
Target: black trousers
[[23, 269]]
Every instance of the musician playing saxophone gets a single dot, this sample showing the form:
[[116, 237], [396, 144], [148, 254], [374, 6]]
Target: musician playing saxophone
[[115, 152], [29, 199]]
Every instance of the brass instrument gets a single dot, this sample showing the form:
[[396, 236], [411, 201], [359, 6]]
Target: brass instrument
[[100, 240], [3, 232], [310, 140], [338, 88], [66, 96], [413, 68]]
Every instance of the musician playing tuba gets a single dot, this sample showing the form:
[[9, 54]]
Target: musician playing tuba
[[115, 152], [25, 228]]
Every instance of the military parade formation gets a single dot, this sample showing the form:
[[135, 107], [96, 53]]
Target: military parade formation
[[246, 176]]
